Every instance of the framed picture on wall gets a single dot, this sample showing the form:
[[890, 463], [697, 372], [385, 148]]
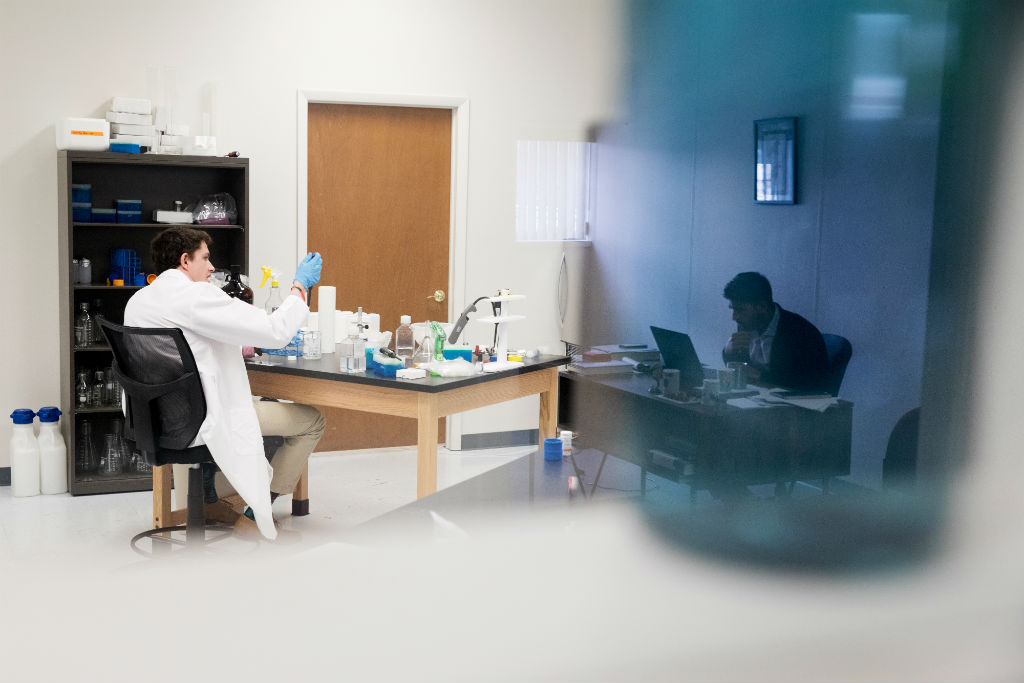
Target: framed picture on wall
[[775, 161]]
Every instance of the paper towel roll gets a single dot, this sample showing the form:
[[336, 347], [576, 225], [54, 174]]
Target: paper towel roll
[[325, 301]]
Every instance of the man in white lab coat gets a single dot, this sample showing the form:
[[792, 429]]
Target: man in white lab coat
[[216, 327]]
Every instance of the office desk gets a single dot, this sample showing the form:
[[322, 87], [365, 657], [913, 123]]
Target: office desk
[[705, 445]]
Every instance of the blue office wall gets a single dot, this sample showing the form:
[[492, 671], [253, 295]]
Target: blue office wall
[[675, 216]]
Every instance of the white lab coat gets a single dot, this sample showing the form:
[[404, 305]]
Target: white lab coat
[[216, 326]]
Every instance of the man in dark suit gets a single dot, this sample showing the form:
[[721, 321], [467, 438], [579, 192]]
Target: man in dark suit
[[782, 348]]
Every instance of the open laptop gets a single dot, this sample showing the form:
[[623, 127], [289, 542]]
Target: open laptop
[[678, 353]]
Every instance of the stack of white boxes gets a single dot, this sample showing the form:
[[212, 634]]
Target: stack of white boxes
[[131, 121]]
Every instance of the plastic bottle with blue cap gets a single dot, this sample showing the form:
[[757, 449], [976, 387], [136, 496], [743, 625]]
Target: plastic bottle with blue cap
[[24, 455], [53, 453]]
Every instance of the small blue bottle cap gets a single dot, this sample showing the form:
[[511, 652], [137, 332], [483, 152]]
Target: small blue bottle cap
[[49, 414], [23, 416]]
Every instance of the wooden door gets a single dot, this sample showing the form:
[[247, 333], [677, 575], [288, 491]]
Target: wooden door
[[379, 186]]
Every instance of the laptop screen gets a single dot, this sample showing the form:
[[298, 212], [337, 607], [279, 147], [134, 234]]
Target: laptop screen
[[678, 353]]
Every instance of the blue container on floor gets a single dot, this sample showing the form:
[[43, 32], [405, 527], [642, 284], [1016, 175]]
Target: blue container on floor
[[552, 449]]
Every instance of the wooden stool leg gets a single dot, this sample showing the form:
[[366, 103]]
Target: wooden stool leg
[[162, 496], [300, 496]]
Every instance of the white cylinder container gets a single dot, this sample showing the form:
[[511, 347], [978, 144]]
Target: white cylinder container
[[53, 453], [325, 306], [24, 455]]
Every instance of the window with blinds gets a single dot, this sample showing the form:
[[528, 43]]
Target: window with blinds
[[553, 190]]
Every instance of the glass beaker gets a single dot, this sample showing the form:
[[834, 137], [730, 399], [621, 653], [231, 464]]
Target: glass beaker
[[311, 344], [111, 463], [85, 454]]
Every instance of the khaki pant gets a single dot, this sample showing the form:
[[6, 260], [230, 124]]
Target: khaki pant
[[300, 425]]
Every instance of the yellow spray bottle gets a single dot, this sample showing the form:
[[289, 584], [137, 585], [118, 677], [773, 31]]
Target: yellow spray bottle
[[274, 301]]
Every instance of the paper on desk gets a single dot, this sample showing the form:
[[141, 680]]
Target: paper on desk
[[766, 400]]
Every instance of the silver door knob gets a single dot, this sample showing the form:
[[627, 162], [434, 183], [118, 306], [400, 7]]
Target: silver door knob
[[437, 296]]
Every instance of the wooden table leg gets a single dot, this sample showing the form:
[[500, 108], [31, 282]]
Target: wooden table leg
[[162, 496], [426, 445], [300, 496], [548, 422]]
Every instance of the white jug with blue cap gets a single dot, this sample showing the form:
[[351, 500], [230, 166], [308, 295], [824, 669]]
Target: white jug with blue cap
[[53, 453], [24, 454]]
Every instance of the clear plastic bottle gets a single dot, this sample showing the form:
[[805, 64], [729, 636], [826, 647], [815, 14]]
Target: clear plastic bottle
[[24, 454], [404, 346], [53, 453], [83, 326], [274, 301]]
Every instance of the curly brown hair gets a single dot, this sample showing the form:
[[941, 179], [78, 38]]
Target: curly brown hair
[[167, 247]]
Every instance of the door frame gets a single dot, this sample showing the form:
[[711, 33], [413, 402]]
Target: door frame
[[458, 193]]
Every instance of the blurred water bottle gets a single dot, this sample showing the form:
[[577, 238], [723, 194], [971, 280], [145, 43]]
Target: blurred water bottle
[[24, 449], [53, 453], [97, 393], [404, 341], [83, 326]]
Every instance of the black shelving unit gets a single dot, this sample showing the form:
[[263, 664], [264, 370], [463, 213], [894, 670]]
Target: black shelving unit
[[157, 180]]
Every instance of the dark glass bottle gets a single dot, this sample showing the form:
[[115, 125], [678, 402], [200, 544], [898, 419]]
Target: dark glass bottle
[[236, 288]]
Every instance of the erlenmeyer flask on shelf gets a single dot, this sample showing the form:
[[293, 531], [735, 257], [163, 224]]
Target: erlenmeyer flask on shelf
[[85, 453], [110, 460]]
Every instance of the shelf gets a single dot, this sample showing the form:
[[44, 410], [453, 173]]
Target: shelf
[[197, 226], [98, 410], [93, 288], [94, 347]]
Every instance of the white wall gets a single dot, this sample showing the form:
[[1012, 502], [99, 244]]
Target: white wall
[[676, 217], [530, 69]]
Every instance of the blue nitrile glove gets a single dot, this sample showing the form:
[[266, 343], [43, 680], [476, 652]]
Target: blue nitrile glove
[[308, 272]]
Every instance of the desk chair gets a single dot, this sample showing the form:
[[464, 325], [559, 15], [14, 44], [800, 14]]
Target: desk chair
[[165, 407], [899, 467], [839, 350]]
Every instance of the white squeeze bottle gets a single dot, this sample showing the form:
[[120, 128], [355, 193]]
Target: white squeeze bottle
[[24, 454], [403, 341], [53, 454]]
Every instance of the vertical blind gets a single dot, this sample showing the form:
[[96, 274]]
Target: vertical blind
[[553, 190]]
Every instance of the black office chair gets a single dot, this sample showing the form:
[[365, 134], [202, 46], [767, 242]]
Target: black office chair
[[165, 407], [839, 350], [899, 467]]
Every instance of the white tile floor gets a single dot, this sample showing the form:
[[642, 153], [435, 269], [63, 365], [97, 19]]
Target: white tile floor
[[346, 489]]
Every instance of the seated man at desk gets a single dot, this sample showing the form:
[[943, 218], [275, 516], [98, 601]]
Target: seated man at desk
[[782, 348], [216, 327]]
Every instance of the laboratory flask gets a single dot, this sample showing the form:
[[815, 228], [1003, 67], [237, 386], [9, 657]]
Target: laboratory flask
[[85, 453], [82, 389], [352, 354], [236, 288], [24, 454], [53, 453], [110, 459], [84, 328], [404, 345]]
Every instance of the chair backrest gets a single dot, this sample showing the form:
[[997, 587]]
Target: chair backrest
[[899, 467], [839, 350], [165, 404]]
